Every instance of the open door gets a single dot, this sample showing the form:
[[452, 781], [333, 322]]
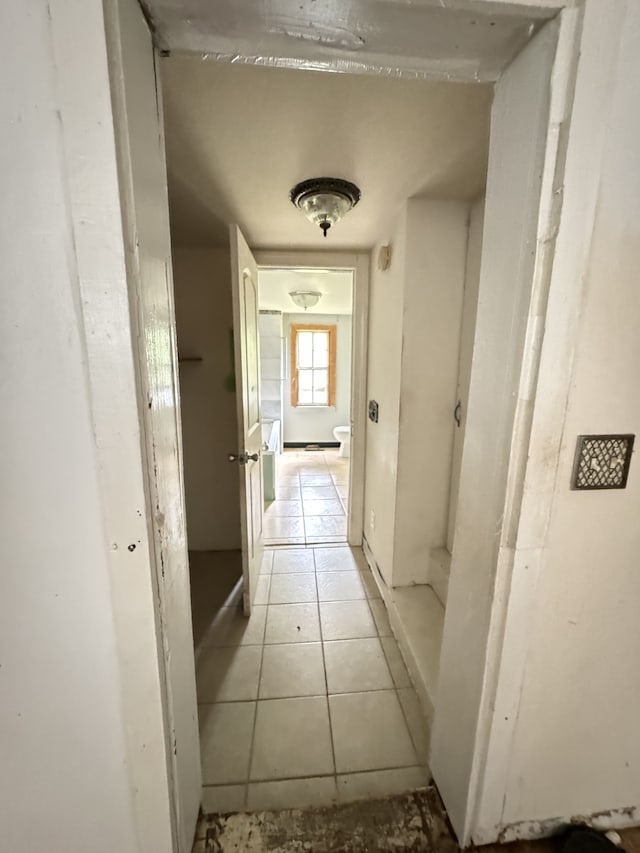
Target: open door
[[247, 455]]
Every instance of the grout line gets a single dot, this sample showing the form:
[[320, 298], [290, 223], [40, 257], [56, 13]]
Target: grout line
[[255, 715], [317, 776], [310, 696], [326, 680]]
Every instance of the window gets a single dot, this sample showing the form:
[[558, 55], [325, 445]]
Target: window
[[313, 365]]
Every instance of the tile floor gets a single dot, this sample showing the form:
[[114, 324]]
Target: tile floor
[[312, 499], [308, 701]]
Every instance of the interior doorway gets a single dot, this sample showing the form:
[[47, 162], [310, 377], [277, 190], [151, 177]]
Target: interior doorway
[[510, 356]]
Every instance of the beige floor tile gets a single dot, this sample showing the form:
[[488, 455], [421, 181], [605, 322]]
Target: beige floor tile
[[290, 670], [275, 528], [284, 540], [225, 741], [231, 627], [292, 738], [315, 479], [293, 560], [323, 507], [288, 479], [292, 623], [228, 674], [312, 465], [346, 620], [283, 509], [380, 783], [324, 525], [340, 586], [293, 589], [262, 589], [417, 722], [310, 492], [369, 732], [318, 791], [290, 492], [396, 663], [338, 559], [379, 610], [326, 540], [267, 562], [340, 479], [356, 665], [221, 799]]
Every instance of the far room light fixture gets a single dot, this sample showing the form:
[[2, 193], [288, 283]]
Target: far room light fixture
[[325, 200], [305, 298]]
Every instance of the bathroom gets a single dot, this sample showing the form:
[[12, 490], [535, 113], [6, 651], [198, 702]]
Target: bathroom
[[305, 359]]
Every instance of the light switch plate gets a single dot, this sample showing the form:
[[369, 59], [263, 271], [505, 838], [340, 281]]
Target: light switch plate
[[602, 462]]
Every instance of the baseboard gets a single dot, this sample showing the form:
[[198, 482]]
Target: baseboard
[[532, 830], [303, 444]]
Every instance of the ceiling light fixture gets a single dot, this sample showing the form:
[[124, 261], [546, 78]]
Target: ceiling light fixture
[[305, 298], [325, 200]]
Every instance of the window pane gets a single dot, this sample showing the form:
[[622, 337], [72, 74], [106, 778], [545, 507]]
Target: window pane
[[320, 390], [305, 349], [305, 397], [321, 349], [305, 380], [320, 380]]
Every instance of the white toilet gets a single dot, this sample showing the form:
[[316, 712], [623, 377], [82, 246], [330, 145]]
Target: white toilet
[[343, 435]]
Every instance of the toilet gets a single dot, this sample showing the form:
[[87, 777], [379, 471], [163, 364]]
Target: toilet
[[343, 435]]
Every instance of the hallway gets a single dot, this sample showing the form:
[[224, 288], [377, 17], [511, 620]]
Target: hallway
[[308, 702]]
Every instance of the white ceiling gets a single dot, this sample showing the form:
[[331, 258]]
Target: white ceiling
[[239, 137], [334, 285], [452, 39]]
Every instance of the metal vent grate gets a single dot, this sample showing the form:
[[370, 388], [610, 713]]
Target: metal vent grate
[[602, 461]]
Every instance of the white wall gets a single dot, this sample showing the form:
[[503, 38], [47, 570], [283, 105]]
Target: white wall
[[386, 294], [204, 320], [436, 247], [311, 425], [467, 335], [414, 329], [76, 775], [571, 744]]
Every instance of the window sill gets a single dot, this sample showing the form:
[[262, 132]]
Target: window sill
[[312, 408]]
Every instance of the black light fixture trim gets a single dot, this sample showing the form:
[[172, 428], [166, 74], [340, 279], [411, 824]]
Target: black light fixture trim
[[332, 186]]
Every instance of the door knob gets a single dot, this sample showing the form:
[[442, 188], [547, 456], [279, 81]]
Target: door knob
[[243, 458]]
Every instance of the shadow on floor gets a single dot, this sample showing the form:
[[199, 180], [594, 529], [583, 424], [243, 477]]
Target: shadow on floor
[[216, 581]]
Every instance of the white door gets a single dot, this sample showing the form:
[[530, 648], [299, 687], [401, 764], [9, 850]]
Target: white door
[[247, 454]]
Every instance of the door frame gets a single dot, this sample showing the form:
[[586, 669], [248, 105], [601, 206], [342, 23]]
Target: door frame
[[550, 209], [358, 264]]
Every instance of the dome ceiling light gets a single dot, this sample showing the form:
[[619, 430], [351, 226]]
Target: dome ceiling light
[[305, 298], [325, 200]]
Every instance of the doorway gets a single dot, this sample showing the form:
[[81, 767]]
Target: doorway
[[513, 356], [306, 368]]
